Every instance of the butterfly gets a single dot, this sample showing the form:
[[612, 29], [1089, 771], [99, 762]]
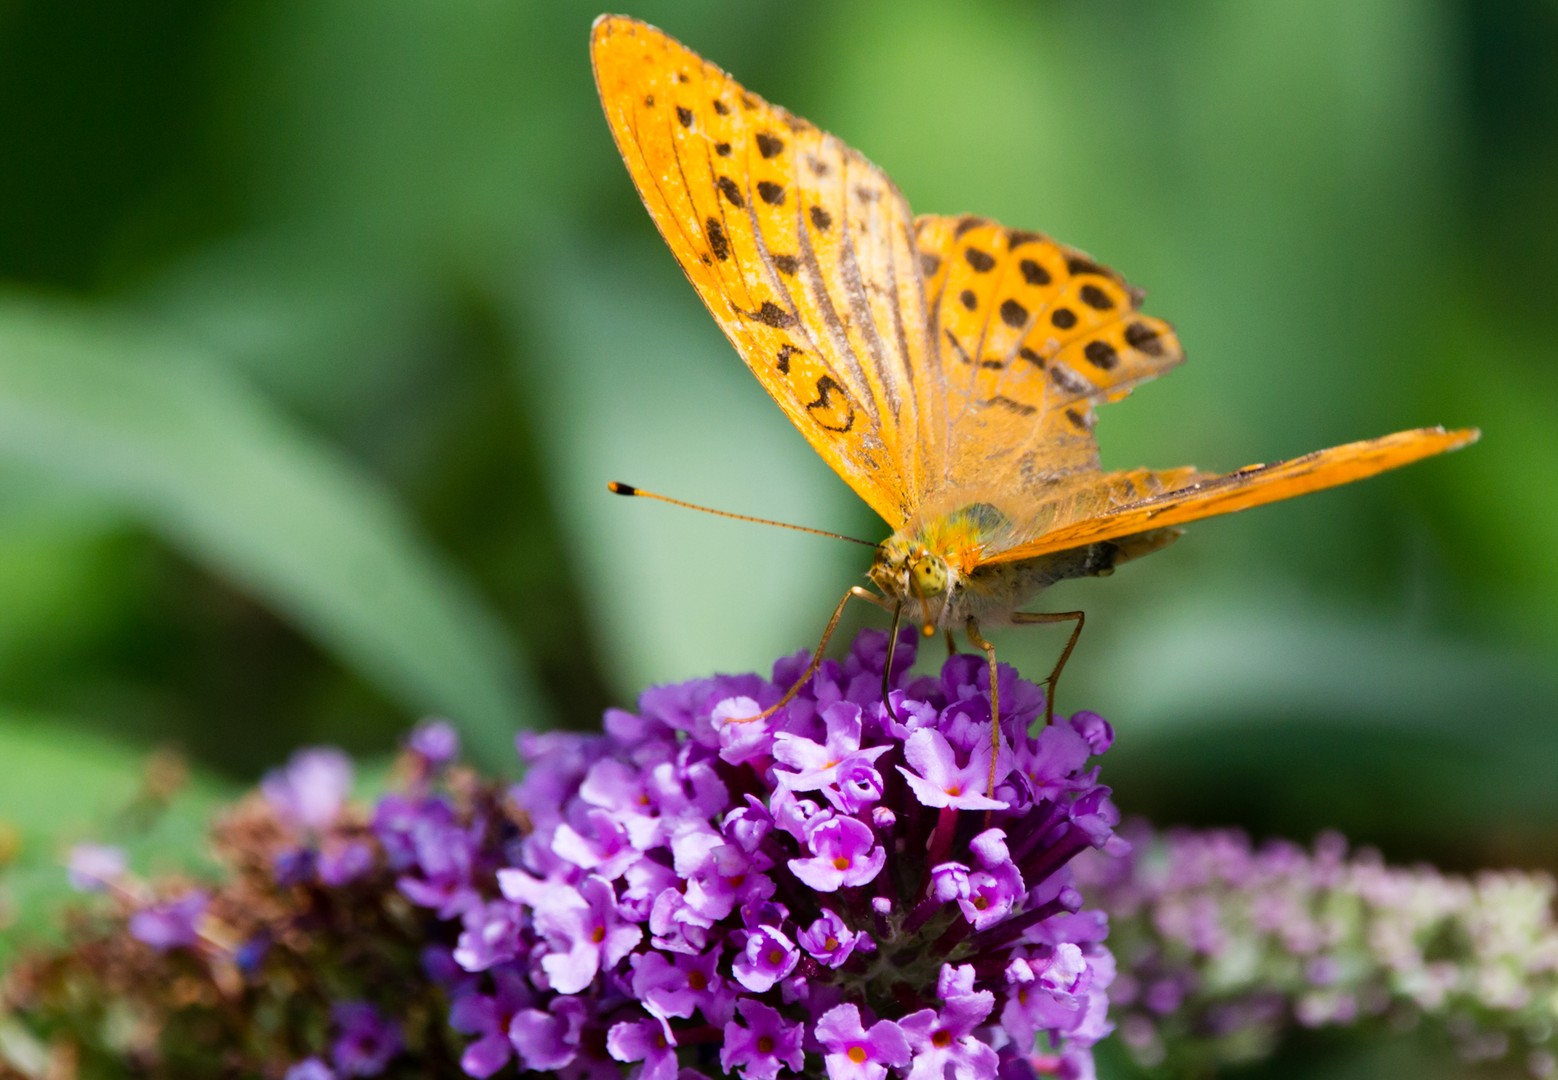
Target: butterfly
[[947, 368]]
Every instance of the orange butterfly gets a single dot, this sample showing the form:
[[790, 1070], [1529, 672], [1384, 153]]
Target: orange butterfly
[[946, 367]]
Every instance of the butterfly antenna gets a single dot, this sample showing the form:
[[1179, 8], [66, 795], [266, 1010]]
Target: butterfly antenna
[[628, 489]]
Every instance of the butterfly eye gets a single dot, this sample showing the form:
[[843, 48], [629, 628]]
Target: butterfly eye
[[930, 574]]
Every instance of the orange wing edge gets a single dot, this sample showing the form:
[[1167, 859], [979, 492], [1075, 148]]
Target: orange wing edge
[[1253, 485]]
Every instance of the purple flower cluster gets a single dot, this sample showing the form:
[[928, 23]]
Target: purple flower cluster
[[1224, 945], [843, 887]]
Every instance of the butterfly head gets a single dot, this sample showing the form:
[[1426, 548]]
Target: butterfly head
[[908, 571]]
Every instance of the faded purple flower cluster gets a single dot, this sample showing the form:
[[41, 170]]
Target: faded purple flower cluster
[[1224, 945], [840, 888]]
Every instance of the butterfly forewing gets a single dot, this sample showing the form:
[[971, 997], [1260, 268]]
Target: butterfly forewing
[[1119, 514], [1032, 335], [801, 249]]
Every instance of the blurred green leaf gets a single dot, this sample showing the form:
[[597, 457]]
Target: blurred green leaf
[[141, 419], [679, 594], [1330, 716]]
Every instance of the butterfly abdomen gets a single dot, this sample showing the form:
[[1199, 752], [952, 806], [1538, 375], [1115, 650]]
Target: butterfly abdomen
[[994, 590]]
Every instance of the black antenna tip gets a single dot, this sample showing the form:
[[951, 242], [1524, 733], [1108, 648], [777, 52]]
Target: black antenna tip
[[617, 488]]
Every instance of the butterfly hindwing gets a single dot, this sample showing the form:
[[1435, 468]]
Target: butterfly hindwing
[[800, 248], [1032, 334]]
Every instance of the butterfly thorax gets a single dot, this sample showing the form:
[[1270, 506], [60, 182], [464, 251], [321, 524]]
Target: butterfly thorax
[[935, 567], [940, 567]]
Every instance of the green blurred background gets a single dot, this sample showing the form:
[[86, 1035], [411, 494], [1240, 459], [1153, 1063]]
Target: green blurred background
[[322, 324]]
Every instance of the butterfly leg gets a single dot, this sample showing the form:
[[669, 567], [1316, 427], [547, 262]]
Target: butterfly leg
[[855, 592], [979, 642], [952, 645], [1034, 618], [887, 668]]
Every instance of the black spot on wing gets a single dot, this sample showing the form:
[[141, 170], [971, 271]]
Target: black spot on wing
[[966, 223], [821, 220], [684, 114], [771, 314], [930, 262], [1033, 273], [769, 145], [1063, 318], [968, 299], [770, 192], [1014, 314], [722, 149], [1003, 402], [782, 361], [981, 261], [719, 244], [1081, 264], [1143, 337], [1096, 298], [826, 388], [1031, 356], [1101, 355], [721, 108], [731, 190], [787, 264]]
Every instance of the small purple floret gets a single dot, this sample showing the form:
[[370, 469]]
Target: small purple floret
[[937, 778], [844, 853], [830, 942], [309, 791], [170, 924], [365, 1039], [649, 1041], [436, 742], [309, 1069], [854, 1053], [768, 957], [763, 1045], [94, 867]]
